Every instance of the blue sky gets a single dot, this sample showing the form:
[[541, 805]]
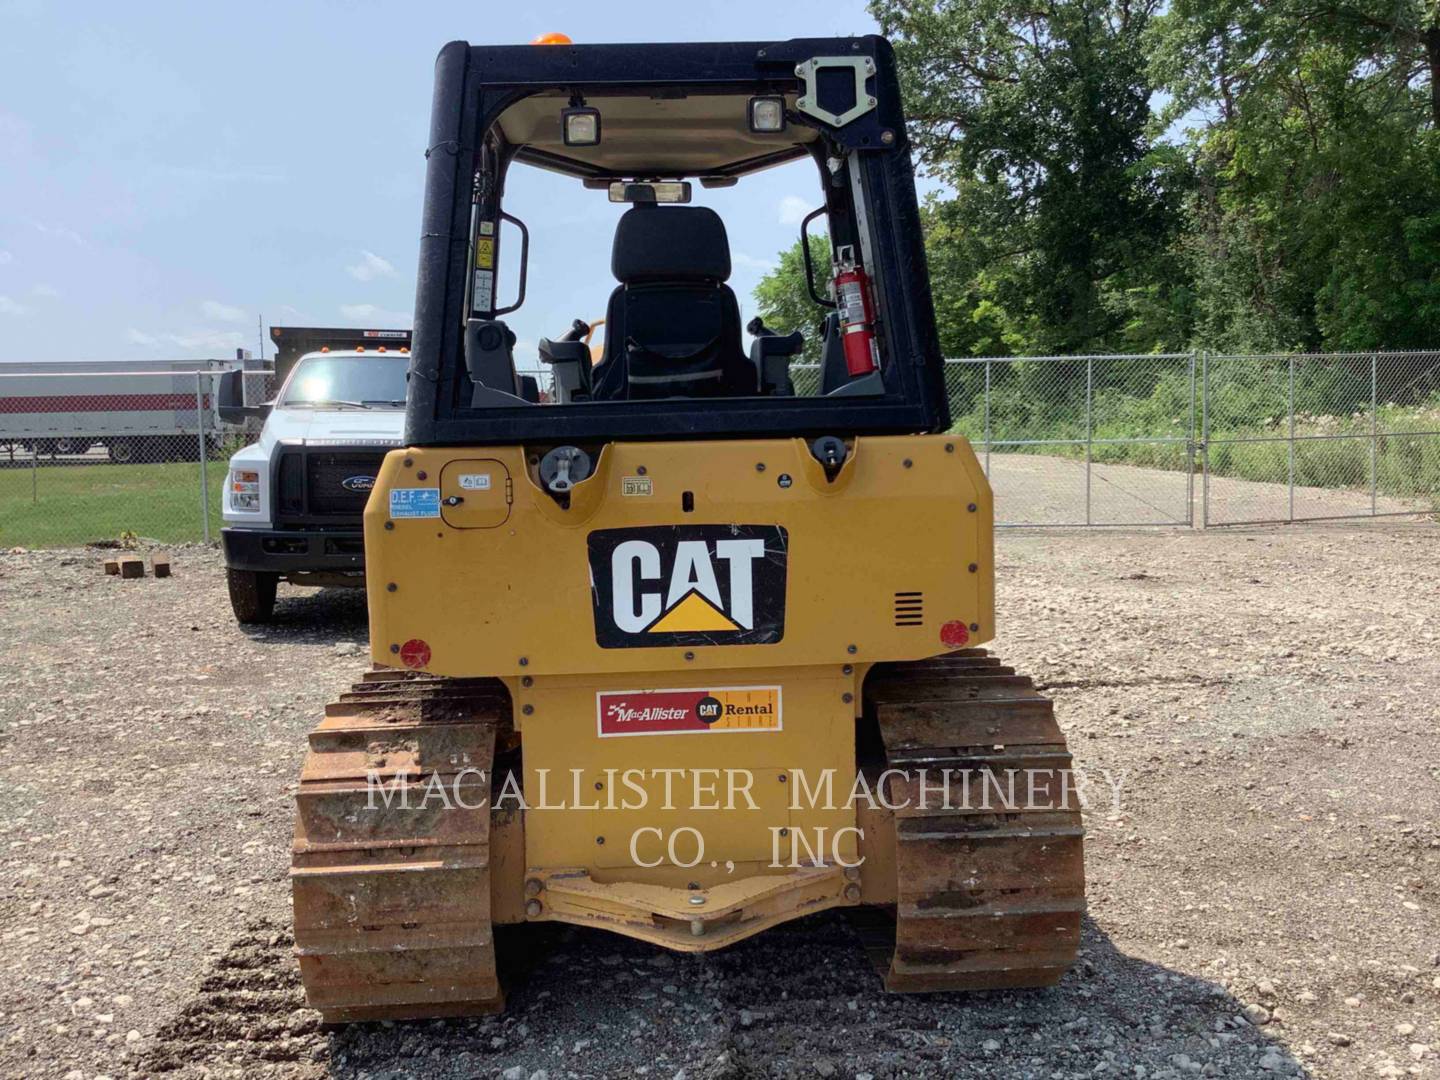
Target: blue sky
[[171, 172]]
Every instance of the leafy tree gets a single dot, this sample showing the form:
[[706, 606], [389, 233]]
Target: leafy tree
[[1316, 222], [784, 301], [1060, 225], [1136, 176]]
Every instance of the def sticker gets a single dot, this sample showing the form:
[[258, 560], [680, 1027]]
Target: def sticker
[[414, 502]]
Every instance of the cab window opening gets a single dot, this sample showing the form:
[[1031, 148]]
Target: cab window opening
[[641, 287]]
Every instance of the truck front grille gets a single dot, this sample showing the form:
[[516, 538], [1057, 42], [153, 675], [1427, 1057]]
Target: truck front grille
[[318, 484]]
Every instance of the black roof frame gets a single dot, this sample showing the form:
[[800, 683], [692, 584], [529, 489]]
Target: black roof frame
[[474, 84]]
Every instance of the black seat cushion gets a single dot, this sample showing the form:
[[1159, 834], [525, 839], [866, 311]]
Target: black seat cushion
[[670, 243], [672, 328]]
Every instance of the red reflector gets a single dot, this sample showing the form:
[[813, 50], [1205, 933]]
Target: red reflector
[[953, 634], [415, 653]]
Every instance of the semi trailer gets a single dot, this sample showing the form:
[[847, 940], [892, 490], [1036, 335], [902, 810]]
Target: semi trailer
[[138, 410]]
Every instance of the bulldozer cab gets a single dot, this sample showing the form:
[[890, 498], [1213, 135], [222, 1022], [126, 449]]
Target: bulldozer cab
[[647, 125]]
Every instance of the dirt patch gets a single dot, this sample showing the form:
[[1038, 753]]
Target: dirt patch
[[1263, 895]]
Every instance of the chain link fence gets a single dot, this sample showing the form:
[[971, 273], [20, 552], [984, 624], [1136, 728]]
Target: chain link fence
[[1200, 439], [119, 457], [1319, 437], [1184, 439], [1081, 440]]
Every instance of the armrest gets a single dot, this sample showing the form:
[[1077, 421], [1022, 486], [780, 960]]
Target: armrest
[[778, 344], [770, 353], [564, 352], [571, 362]]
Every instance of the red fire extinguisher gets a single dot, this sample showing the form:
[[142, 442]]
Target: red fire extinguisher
[[857, 316]]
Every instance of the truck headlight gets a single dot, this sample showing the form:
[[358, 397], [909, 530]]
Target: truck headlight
[[244, 490]]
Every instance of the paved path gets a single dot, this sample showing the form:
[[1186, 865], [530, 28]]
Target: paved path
[[1036, 489]]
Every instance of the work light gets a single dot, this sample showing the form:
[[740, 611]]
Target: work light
[[767, 114], [581, 125]]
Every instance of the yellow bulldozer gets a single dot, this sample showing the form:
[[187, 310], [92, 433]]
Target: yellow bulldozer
[[684, 643]]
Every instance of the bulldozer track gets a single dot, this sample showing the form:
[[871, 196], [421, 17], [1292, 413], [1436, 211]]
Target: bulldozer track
[[990, 880], [392, 895]]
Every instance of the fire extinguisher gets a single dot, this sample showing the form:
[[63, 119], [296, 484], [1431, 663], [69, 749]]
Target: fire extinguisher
[[857, 316]]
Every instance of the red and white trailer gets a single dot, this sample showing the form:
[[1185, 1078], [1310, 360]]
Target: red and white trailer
[[149, 410]]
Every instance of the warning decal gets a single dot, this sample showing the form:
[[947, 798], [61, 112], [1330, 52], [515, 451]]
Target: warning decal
[[484, 298], [688, 712]]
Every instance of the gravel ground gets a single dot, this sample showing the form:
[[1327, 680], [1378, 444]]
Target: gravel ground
[[1263, 899]]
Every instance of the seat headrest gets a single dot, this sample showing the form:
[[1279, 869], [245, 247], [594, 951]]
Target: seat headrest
[[670, 243]]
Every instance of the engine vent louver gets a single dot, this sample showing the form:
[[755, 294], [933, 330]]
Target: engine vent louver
[[909, 609]]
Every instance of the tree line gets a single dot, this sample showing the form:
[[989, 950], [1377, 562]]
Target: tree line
[[1148, 176]]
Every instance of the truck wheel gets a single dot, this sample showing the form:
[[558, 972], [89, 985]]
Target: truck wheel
[[252, 594], [120, 450]]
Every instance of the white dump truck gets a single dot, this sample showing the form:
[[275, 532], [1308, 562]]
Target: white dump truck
[[294, 499]]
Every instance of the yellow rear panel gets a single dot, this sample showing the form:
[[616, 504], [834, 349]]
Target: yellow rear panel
[[499, 583]]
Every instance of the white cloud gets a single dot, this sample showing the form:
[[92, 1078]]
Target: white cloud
[[376, 316], [59, 231], [48, 292], [370, 267], [15, 137], [10, 307], [793, 209], [211, 342], [750, 262], [216, 341], [6, 257], [213, 309]]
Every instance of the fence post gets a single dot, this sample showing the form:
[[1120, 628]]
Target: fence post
[[34, 471], [1190, 453], [1204, 440], [1374, 435], [200, 437], [1290, 517], [987, 419], [1089, 396]]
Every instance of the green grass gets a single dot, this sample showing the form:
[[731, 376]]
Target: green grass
[[66, 505]]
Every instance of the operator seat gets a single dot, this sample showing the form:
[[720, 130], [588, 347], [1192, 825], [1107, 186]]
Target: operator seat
[[672, 328]]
